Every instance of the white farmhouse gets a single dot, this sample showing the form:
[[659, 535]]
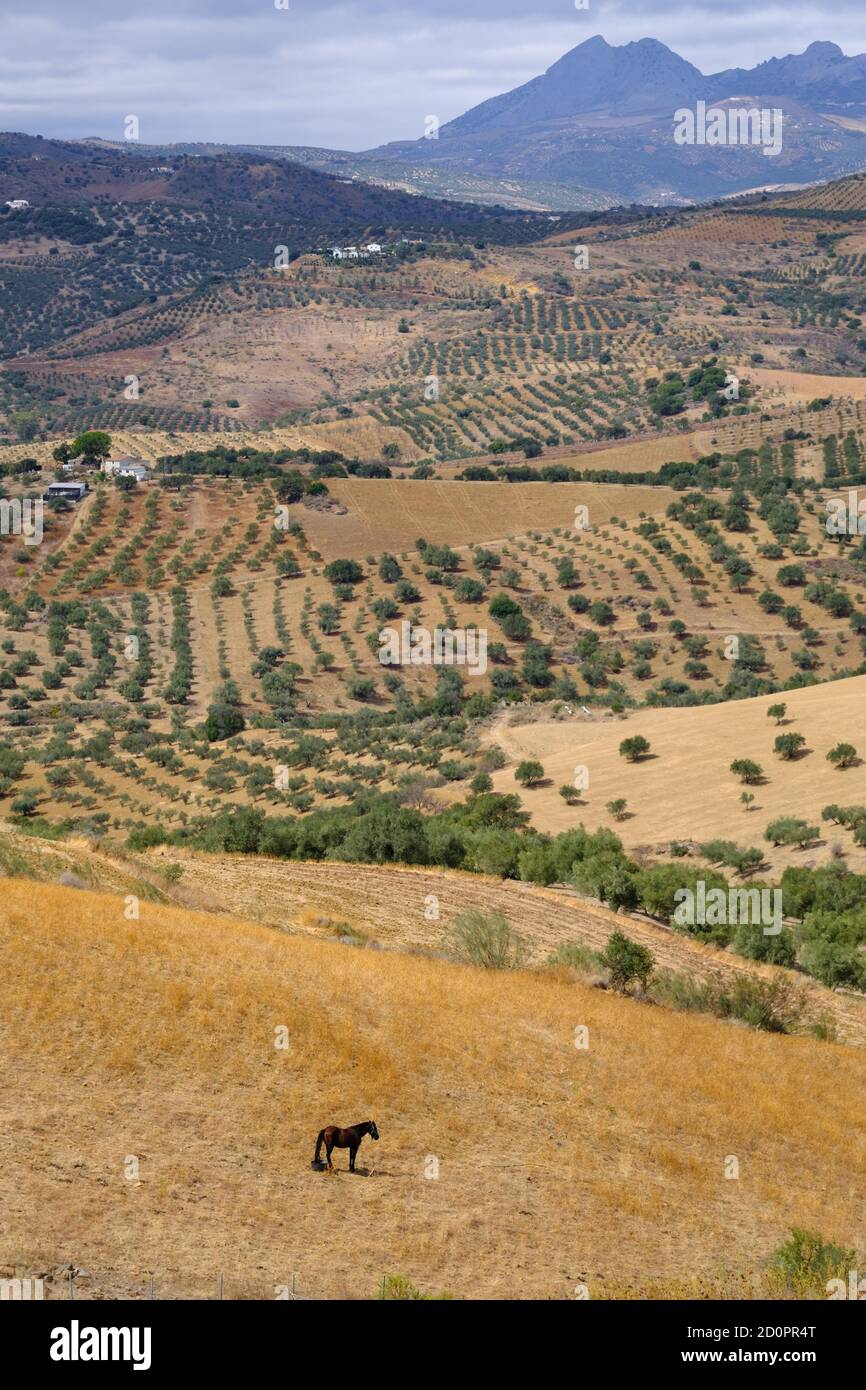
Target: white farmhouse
[[127, 468]]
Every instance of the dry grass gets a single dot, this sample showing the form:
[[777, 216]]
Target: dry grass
[[685, 789], [155, 1038], [391, 514]]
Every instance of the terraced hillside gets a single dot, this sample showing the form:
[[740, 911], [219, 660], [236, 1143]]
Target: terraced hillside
[[142, 609], [444, 348]]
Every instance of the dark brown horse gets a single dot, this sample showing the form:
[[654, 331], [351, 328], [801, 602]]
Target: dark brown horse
[[335, 1138]]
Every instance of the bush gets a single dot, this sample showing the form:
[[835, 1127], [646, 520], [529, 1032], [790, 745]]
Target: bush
[[395, 1287], [788, 830], [634, 748], [747, 770], [536, 864], [529, 773], [755, 944], [843, 755], [343, 572], [575, 957], [788, 746], [774, 1006], [806, 1263], [361, 688], [223, 721], [627, 960], [488, 941], [146, 836]]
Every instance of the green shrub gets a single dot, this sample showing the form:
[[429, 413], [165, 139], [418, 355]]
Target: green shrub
[[488, 941], [627, 961], [806, 1263]]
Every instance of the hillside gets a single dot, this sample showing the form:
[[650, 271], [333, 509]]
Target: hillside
[[154, 1040], [692, 750], [446, 346], [390, 907]]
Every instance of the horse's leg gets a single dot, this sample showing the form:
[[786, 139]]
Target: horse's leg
[[353, 1149], [329, 1144]]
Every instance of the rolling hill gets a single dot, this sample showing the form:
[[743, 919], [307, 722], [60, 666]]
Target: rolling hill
[[158, 1134], [692, 751]]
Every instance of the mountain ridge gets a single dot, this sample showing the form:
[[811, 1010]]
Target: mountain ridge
[[602, 115]]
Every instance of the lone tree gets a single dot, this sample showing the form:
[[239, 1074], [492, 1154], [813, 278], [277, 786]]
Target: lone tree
[[843, 755], [223, 721], [777, 712], [627, 961], [343, 572], [618, 809], [634, 748], [788, 746], [92, 446], [529, 773], [748, 771]]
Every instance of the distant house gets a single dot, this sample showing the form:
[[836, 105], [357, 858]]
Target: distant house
[[70, 492], [17, 204], [127, 468], [352, 253]]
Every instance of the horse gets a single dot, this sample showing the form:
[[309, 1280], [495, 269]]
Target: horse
[[335, 1138]]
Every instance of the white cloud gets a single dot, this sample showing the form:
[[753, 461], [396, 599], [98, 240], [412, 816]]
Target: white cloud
[[346, 75]]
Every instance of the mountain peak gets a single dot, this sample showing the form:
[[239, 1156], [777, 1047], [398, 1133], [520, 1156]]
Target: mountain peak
[[640, 77], [822, 46]]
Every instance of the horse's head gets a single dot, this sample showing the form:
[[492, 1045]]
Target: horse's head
[[374, 1133]]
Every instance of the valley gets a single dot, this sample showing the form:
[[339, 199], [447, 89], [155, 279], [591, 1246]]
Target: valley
[[574, 423]]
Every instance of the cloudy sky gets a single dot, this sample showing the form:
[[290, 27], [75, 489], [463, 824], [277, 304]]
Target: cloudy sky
[[341, 74]]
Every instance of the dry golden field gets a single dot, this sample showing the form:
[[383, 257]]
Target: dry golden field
[[395, 907], [154, 1129], [684, 790]]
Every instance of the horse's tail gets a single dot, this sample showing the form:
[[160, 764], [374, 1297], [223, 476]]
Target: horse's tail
[[319, 1142]]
